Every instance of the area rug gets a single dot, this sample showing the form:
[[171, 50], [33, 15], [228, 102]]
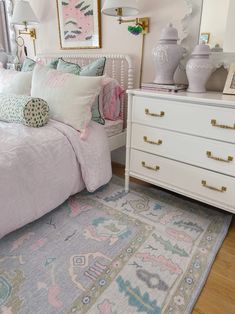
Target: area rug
[[110, 252]]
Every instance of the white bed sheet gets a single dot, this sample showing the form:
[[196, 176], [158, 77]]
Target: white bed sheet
[[113, 128]]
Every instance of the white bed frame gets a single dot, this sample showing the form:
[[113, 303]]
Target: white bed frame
[[119, 67]]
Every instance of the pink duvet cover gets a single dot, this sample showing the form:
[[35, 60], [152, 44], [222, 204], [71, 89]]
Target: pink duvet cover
[[41, 168]]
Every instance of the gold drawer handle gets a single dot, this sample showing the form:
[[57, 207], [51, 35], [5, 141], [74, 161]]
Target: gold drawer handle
[[159, 142], [149, 167], [221, 190], [148, 113], [210, 155], [214, 123]]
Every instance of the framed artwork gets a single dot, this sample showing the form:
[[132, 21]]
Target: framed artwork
[[79, 24], [205, 37], [230, 82]]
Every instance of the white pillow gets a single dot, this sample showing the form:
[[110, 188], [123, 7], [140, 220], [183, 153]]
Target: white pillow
[[70, 97], [14, 82]]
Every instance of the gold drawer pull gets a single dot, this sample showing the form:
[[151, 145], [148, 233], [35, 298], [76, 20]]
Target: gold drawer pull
[[149, 167], [210, 155], [159, 142], [221, 190], [148, 113], [214, 123]]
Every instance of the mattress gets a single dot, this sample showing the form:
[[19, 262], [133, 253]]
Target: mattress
[[113, 127]]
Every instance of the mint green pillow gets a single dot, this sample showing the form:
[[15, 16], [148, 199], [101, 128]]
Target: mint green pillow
[[29, 64], [53, 64], [68, 67], [95, 68], [95, 111]]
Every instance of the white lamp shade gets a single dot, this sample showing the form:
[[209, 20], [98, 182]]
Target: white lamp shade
[[23, 13], [129, 7]]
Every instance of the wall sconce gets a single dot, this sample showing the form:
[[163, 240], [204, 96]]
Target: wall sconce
[[23, 15], [127, 8]]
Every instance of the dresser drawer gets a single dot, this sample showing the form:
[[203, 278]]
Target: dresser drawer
[[192, 181], [205, 153], [207, 121]]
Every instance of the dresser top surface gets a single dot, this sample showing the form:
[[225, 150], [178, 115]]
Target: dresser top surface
[[213, 98]]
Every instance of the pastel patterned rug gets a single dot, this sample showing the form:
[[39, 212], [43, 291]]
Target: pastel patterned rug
[[112, 253]]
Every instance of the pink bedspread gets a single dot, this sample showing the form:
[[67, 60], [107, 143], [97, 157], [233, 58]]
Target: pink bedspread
[[41, 168]]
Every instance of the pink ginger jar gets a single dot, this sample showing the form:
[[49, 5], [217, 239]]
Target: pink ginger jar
[[167, 55], [199, 69]]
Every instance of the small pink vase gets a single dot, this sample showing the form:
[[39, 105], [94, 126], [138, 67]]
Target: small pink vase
[[199, 69]]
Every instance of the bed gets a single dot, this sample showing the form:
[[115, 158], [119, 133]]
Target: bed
[[41, 167]]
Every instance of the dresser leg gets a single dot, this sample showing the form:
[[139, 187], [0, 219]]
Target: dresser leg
[[127, 182]]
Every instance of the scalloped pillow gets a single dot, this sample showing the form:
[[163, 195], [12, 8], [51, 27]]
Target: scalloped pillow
[[14, 82], [33, 112], [69, 96]]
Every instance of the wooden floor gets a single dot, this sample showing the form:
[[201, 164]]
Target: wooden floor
[[218, 295]]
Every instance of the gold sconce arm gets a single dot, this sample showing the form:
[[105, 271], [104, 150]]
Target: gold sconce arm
[[144, 22], [32, 33]]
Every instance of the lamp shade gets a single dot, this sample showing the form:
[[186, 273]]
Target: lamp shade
[[23, 13], [129, 7]]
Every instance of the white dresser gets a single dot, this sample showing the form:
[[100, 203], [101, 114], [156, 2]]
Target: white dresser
[[185, 143]]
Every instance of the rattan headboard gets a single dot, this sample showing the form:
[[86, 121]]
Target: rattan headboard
[[119, 67]]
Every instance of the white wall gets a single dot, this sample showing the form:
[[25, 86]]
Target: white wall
[[214, 17], [229, 42]]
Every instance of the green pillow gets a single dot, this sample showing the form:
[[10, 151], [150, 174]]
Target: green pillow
[[95, 111], [95, 68], [29, 64], [53, 64], [33, 112], [68, 67]]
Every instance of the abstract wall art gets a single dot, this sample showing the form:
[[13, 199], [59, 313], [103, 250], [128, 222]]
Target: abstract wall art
[[79, 24]]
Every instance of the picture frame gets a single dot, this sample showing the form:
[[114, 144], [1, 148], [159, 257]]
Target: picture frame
[[205, 37], [79, 24], [230, 82]]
